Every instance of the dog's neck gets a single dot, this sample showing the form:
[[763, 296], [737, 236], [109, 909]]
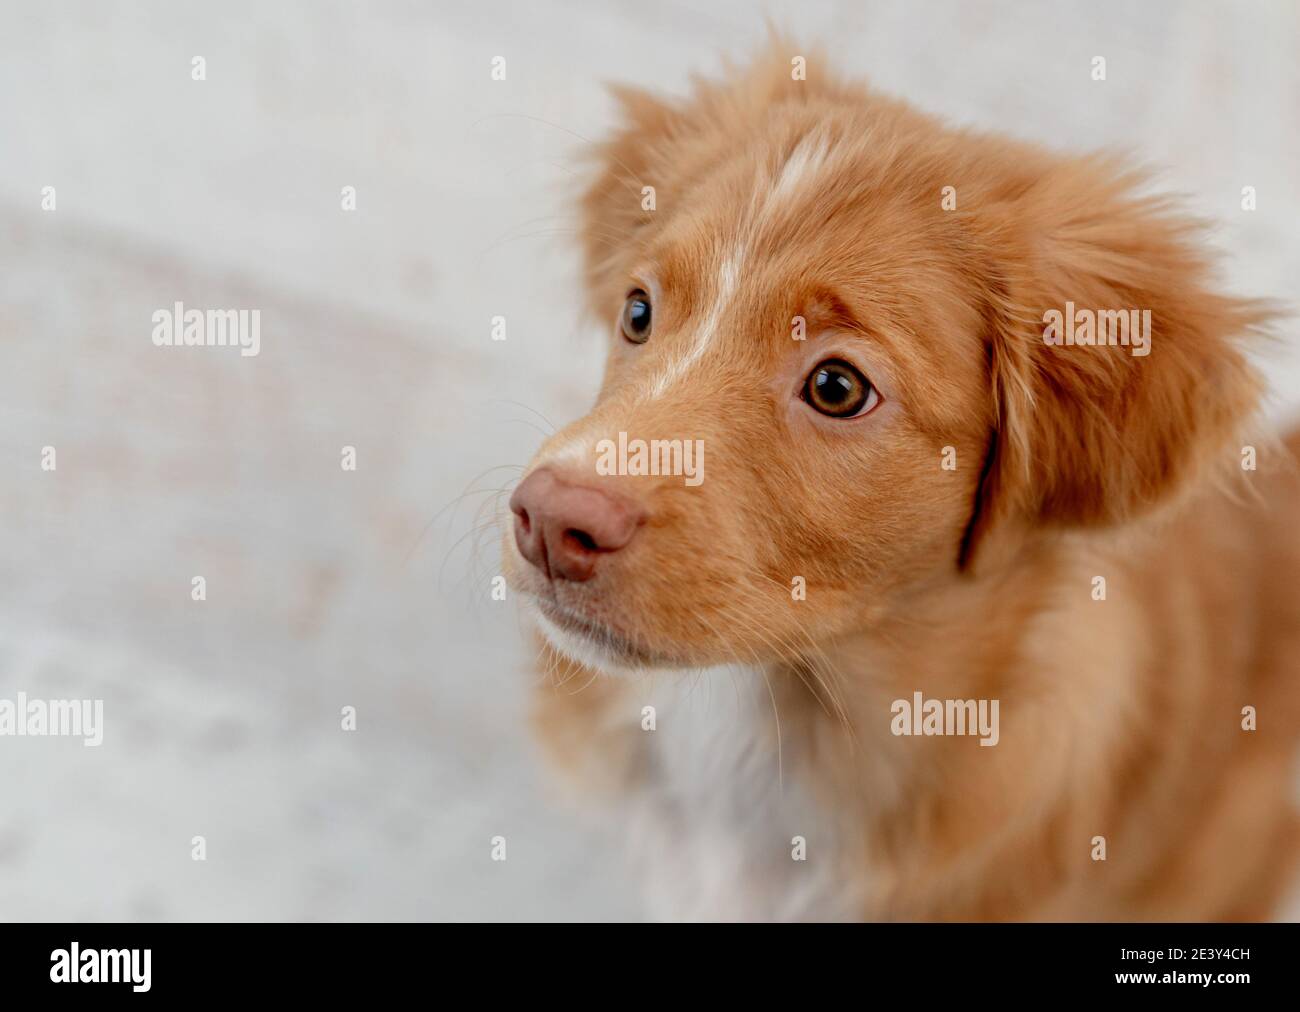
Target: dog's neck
[[739, 760]]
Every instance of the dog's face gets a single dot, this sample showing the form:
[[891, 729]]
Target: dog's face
[[833, 366]]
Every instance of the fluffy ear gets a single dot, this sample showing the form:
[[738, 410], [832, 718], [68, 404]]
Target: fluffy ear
[[1096, 434], [615, 207], [667, 144]]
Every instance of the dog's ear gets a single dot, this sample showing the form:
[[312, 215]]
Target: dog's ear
[[617, 204], [1091, 435], [662, 145]]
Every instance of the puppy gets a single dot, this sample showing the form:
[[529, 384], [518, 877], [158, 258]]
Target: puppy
[[917, 559]]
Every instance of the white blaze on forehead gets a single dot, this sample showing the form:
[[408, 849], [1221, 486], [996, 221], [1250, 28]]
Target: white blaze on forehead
[[805, 161], [728, 279]]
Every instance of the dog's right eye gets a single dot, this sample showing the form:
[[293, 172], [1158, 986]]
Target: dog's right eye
[[635, 321]]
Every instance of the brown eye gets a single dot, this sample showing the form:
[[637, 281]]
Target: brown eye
[[635, 320], [837, 389]]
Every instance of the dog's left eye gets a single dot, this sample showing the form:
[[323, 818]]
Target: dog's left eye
[[635, 320], [838, 390]]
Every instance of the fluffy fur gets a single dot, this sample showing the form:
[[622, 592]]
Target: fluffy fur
[[1120, 718]]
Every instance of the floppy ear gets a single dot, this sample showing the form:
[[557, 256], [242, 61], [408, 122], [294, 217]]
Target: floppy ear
[[1092, 435]]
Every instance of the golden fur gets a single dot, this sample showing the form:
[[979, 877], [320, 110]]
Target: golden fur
[[1122, 717]]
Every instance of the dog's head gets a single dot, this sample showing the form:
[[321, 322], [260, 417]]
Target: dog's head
[[832, 381]]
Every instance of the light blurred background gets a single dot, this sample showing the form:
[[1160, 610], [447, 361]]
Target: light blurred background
[[327, 588]]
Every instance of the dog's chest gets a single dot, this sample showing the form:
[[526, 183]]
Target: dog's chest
[[720, 821]]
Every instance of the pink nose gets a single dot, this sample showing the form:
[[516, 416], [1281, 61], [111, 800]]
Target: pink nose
[[562, 528]]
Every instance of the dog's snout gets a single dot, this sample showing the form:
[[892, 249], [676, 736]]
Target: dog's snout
[[563, 528]]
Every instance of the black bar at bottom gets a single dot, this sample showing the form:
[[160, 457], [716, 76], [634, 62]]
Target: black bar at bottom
[[87, 962]]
